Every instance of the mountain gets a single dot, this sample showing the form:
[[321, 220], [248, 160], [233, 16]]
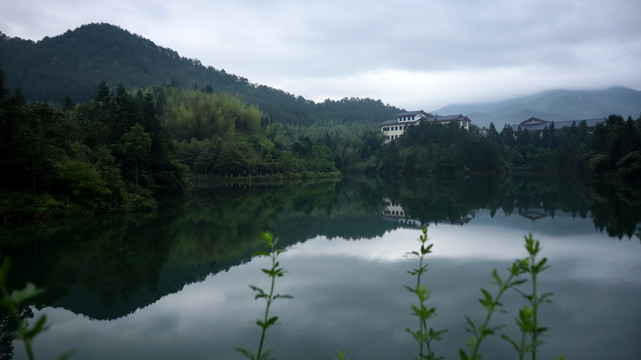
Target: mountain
[[75, 62], [555, 105]]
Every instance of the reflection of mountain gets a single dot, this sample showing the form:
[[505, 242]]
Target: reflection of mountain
[[108, 267], [81, 300]]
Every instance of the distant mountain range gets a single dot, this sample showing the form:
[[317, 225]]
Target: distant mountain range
[[75, 62], [553, 105]]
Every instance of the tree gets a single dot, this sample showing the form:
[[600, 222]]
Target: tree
[[136, 145], [492, 133]]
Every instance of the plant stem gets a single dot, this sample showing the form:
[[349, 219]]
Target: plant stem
[[269, 303]]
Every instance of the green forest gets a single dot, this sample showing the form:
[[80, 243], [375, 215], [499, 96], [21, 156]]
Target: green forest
[[125, 148]]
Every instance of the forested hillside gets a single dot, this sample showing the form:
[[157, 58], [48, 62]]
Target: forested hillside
[[124, 148], [98, 148], [73, 63]]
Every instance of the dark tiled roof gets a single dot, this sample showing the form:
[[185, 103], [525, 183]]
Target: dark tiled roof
[[389, 122], [459, 117], [410, 113], [558, 124]]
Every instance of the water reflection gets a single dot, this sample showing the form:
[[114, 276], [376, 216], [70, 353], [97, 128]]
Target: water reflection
[[173, 284]]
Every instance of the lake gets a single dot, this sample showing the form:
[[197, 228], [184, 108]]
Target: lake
[[174, 284]]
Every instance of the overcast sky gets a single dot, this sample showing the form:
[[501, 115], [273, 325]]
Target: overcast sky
[[408, 53]]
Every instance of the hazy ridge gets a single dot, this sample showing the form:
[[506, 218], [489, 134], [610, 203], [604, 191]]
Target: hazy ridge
[[73, 63]]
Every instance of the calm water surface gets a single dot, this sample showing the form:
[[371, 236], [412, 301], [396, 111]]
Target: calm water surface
[[174, 285]]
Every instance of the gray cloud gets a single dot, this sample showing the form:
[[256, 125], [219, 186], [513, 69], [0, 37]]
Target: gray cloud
[[393, 50]]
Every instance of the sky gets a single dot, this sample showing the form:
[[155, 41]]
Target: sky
[[408, 53]]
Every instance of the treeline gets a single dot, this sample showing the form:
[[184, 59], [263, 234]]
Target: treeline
[[122, 149], [610, 151], [108, 154], [221, 135]]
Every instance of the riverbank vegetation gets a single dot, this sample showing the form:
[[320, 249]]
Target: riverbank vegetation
[[126, 148]]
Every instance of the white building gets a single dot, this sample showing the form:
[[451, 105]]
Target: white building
[[393, 129]]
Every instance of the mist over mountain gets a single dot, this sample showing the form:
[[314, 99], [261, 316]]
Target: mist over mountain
[[72, 64], [553, 105], [75, 62]]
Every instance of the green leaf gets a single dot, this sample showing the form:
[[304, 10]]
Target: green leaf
[[545, 297], [415, 334], [488, 301], [463, 355], [472, 342], [30, 290], [497, 279], [410, 289], [284, 296], [514, 344], [426, 250], [260, 292], [267, 355], [472, 327], [272, 320], [517, 282], [540, 266], [436, 334], [37, 328], [269, 272], [248, 354], [541, 330]]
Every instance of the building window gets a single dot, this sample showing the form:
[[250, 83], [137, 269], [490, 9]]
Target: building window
[[386, 128]]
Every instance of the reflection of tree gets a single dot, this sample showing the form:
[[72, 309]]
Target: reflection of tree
[[616, 209], [7, 328], [107, 267], [443, 199]]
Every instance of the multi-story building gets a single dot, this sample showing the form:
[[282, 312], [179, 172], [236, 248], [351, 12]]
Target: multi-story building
[[393, 129]]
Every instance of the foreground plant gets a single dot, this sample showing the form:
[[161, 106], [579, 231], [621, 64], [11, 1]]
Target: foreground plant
[[423, 335], [13, 301], [275, 271], [527, 321], [492, 304]]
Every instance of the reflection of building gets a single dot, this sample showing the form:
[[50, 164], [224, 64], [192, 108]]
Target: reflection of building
[[394, 211], [393, 129], [533, 214]]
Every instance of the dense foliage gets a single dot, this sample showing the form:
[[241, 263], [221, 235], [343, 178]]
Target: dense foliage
[[221, 135], [610, 151], [117, 149], [115, 152], [108, 154]]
